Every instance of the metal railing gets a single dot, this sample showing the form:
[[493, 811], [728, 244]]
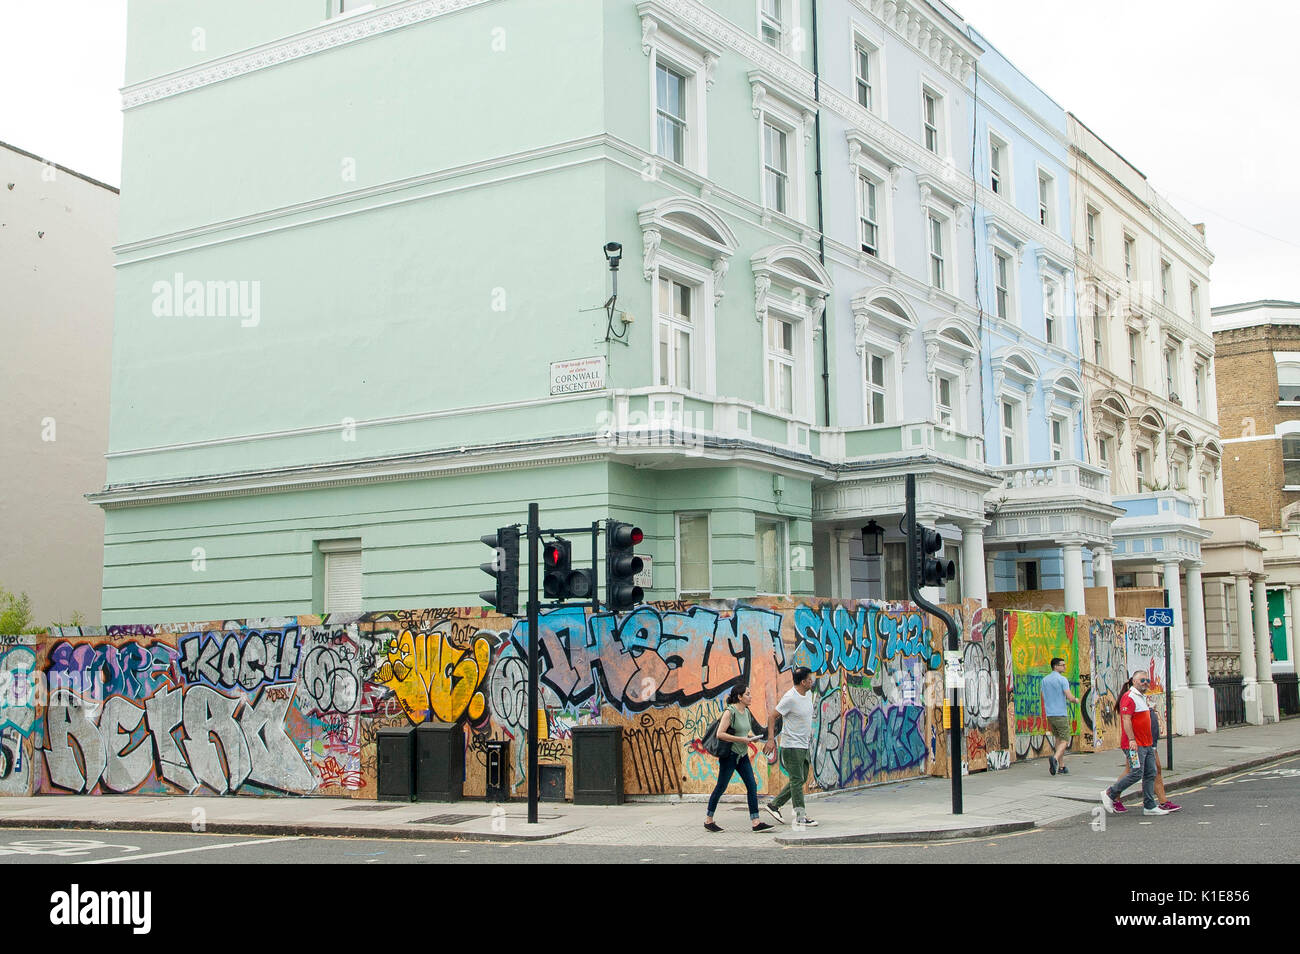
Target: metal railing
[[1288, 693], [1229, 706]]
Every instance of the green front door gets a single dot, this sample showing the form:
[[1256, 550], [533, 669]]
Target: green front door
[[1277, 623]]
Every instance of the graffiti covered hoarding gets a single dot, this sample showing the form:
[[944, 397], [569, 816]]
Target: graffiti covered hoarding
[[294, 705], [1036, 638]]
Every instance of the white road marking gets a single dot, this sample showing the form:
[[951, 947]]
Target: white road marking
[[183, 851]]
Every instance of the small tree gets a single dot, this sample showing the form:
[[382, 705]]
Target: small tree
[[15, 613]]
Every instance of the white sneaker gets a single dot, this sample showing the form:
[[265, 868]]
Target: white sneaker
[[809, 823], [1156, 811], [1106, 802], [774, 812]]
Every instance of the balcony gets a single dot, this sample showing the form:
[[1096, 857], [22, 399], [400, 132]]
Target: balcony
[[668, 422], [1061, 478], [1158, 527], [1042, 503]]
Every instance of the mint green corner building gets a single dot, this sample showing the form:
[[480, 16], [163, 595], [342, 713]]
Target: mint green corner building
[[362, 308]]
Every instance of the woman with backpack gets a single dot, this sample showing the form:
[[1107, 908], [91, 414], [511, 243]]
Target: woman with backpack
[[737, 728]]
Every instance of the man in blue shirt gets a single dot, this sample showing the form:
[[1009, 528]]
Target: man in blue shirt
[[1056, 693]]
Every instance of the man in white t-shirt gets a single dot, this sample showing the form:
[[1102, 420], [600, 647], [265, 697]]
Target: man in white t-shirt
[[796, 709]]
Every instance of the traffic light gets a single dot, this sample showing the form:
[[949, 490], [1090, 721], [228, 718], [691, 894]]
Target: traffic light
[[505, 569], [561, 581], [929, 570], [622, 565]]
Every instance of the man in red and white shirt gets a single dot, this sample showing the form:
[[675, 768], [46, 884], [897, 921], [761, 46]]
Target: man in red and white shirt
[[1135, 739]]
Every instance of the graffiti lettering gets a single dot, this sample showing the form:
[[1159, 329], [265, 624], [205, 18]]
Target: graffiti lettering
[[239, 660]]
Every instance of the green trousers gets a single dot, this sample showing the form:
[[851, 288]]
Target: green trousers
[[796, 763]]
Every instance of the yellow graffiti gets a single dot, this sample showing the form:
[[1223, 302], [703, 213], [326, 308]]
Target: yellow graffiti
[[434, 679]]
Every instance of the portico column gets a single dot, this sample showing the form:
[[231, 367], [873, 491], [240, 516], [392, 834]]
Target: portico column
[[1184, 715], [1072, 553], [1293, 638], [974, 586], [1246, 633], [1202, 694], [1103, 575], [843, 585], [1263, 654]]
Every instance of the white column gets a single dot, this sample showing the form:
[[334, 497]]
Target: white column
[[1072, 554], [843, 563], [1103, 575], [1246, 634], [1293, 638], [1202, 694], [974, 585], [1184, 715], [1264, 655]]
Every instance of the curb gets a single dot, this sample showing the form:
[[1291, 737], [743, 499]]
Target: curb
[[272, 828], [1191, 781], [936, 834]]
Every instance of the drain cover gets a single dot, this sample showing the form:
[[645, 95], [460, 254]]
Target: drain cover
[[444, 819], [370, 808]]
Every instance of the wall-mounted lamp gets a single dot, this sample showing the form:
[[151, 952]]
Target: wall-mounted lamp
[[873, 539]]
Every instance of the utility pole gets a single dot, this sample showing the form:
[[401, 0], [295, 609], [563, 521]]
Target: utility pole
[[925, 570]]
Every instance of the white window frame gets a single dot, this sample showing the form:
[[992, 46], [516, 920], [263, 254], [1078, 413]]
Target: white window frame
[[677, 545], [1130, 257], [1000, 249], [703, 357], [888, 389], [934, 91], [954, 373], [1059, 449], [1053, 318], [773, 358], [1141, 456], [350, 8], [1105, 449], [1173, 369], [1194, 297], [693, 65], [1016, 431], [865, 36], [784, 22], [1100, 327], [332, 552], [1200, 385], [1280, 365], [883, 181], [782, 548], [1047, 213], [947, 257], [776, 111], [1135, 357], [1092, 229], [1166, 283], [1006, 181]]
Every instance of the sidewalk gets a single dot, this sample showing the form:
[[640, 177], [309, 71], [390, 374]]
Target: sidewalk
[[1016, 799]]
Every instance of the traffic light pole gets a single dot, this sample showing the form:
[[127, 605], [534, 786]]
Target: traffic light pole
[[953, 724], [534, 657]]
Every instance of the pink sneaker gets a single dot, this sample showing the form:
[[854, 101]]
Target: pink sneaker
[[1171, 807], [1119, 807]]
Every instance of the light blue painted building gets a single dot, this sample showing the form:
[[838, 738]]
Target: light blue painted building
[[1052, 515]]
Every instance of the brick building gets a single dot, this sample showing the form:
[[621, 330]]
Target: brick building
[[1257, 351]]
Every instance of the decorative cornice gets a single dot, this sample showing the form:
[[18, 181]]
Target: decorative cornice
[[916, 24], [1026, 225], [327, 36]]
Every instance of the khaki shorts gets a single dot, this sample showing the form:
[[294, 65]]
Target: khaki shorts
[[1060, 727]]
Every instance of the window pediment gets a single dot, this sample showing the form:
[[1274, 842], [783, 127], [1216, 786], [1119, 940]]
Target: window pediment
[[690, 225], [949, 193], [769, 92], [795, 270], [657, 19]]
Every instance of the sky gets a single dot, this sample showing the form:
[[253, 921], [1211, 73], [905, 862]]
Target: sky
[[1201, 98]]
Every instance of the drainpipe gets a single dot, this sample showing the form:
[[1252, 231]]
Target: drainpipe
[[821, 224]]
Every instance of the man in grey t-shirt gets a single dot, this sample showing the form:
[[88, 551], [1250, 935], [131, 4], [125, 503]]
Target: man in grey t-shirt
[[796, 709]]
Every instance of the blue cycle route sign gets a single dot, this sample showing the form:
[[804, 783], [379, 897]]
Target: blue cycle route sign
[[1160, 616]]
